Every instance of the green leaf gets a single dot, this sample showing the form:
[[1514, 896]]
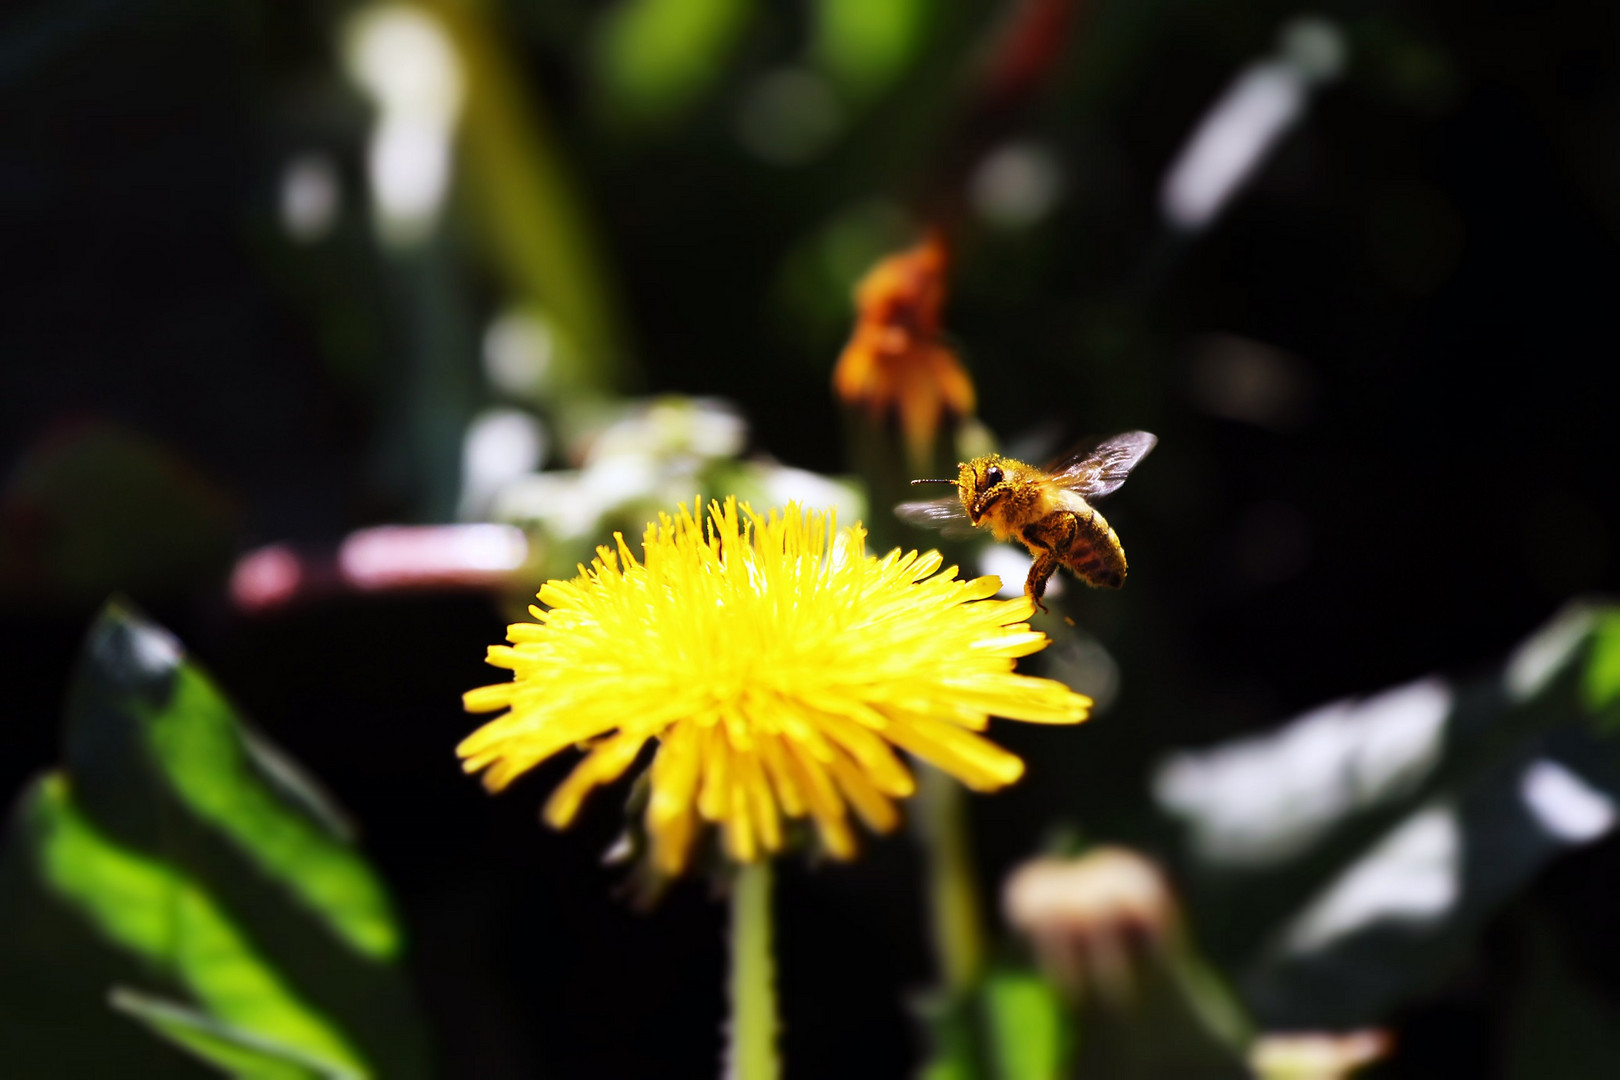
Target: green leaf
[[1602, 686], [178, 845], [532, 218], [1012, 1026], [656, 58], [1027, 1029], [865, 45], [954, 1037], [148, 730], [1348, 858], [232, 1050], [159, 914]]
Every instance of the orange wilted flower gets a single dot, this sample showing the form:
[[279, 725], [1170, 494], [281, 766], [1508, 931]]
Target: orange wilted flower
[[896, 359]]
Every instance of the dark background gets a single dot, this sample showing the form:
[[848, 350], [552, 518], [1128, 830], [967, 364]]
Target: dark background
[[1432, 254]]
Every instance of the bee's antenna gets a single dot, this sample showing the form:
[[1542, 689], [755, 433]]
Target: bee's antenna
[[914, 483]]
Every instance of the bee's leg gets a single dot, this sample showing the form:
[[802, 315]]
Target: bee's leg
[[1046, 539], [1035, 585]]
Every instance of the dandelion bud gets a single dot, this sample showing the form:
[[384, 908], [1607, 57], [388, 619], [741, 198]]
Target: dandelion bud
[[1317, 1056], [1091, 919]]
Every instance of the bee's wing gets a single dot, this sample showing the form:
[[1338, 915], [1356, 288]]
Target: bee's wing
[[1098, 470], [945, 514]]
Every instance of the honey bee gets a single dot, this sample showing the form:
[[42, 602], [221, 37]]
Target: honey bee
[[1047, 510]]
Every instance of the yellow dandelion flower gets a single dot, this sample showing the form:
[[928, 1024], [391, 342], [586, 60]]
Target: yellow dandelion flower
[[777, 666]]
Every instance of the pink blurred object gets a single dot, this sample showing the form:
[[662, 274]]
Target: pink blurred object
[[267, 578], [389, 557]]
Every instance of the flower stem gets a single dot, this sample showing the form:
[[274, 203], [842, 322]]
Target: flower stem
[[958, 937], [752, 1053]]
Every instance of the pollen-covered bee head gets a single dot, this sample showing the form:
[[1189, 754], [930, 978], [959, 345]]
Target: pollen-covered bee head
[[982, 481]]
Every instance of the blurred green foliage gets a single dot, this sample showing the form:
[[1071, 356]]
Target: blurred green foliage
[[866, 44], [656, 57], [180, 873], [523, 195], [1012, 1027]]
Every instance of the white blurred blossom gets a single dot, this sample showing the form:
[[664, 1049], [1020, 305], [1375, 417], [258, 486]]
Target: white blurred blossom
[[401, 56], [1244, 126], [1264, 798], [1413, 876], [671, 427], [500, 446], [311, 196]]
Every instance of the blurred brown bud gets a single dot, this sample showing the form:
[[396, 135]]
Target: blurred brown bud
[[1317, 1056], [1093, 919], [896, 360]]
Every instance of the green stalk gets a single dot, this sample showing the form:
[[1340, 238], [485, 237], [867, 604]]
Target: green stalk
[[952, 896], [752, 1053], [940, 819]]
